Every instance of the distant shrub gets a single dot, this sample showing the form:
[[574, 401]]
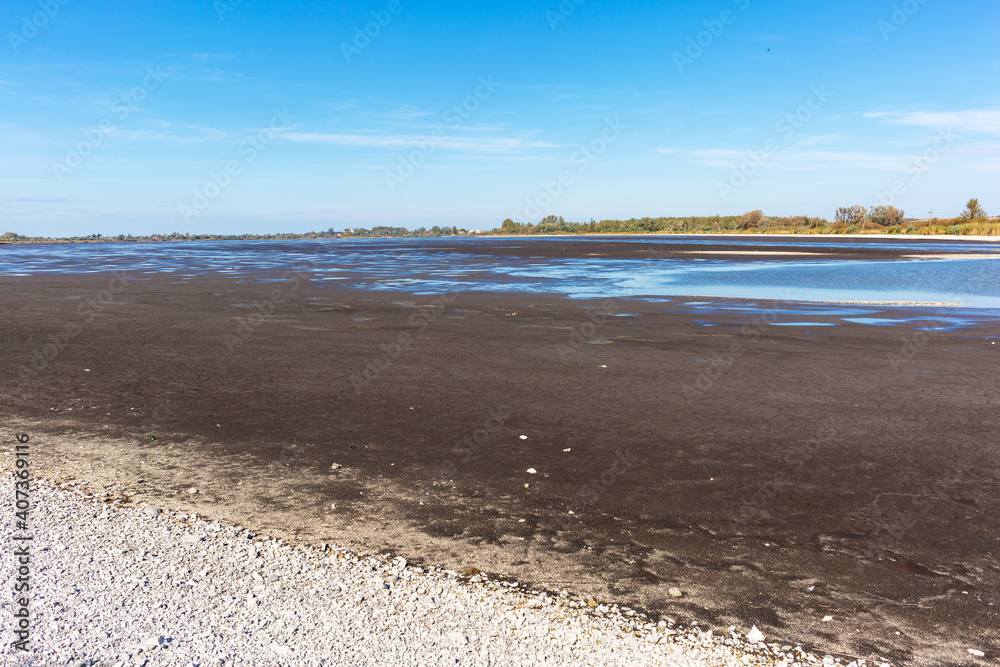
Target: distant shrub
[[751, 219], [887, 216]]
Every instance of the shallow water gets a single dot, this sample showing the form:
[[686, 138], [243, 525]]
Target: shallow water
[[970, 287]]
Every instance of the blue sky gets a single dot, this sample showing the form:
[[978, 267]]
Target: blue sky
[[232, 116]]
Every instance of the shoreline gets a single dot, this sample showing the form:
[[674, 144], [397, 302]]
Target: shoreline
[[207, 566], [929, 237]]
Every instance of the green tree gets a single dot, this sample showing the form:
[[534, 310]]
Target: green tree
[[887, 216], [854, 215], [973, 211]]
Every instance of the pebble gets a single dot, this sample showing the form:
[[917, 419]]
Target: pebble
[[675, 593], [247, 599]]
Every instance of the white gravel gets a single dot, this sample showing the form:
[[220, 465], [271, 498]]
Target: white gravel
[[129, 586]]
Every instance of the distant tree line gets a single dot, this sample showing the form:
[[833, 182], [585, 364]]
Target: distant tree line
[[753, 221], [383, 232], [847, 220]]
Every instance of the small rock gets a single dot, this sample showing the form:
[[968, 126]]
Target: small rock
[[755, 636], [468, 570], [976, 653], [193, 490], [151, 512], [532, 471], [827, 619], [675, 593], [591, 603], [150, 644], [336, 466], [283, 651], [524, 437]]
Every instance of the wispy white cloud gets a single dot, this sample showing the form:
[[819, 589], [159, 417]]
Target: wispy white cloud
[[984, 121], [819, 139], [479, 145], [36, 200], [793, 159], [178, 132], [186, 133]]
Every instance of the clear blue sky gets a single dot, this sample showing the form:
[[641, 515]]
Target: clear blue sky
[[160, 95]]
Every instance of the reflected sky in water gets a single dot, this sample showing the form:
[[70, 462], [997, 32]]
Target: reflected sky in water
[[432, 266]]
